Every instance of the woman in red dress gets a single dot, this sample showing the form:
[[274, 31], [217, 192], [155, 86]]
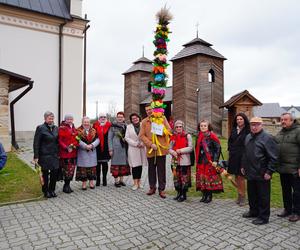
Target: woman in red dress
[[207, 154], [67, 150]]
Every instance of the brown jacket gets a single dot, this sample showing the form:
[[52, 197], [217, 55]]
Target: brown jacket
[[146, 137]]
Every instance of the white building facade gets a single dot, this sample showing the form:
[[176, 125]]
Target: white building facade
[[48, 47]]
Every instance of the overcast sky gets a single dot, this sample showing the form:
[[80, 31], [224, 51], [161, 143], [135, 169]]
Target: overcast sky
[[259, 38]]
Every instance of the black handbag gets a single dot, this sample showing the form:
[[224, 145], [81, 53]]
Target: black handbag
[[223, 163]]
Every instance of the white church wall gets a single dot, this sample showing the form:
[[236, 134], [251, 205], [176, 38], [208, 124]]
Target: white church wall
[[72, 97], [34, 54]]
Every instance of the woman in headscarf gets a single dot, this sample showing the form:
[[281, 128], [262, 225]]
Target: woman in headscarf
[[87, 156], [45, 147], [102, 127], [208, 150], [236, 148], [67, 150], [136, 150], [181, 147], [117, 150]]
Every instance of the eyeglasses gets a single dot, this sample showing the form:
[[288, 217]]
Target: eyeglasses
[[102, 116], [178, 127]]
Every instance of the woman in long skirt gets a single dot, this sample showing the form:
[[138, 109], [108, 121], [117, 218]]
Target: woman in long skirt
[[87, 156], [207, 153], [181, 147], [117, 150]]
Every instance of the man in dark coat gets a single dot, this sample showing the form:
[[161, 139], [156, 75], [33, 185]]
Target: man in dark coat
[[289, 166], [45, 147], [3, 157], [259, 161]]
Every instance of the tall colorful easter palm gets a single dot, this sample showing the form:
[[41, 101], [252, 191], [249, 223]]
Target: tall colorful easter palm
[[160, 78]]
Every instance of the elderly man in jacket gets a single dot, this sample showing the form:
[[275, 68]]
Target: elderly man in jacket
[[157, 163], [259, 160], [289, 166]]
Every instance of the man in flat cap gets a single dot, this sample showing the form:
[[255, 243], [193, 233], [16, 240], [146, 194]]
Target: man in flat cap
[[259, 160]]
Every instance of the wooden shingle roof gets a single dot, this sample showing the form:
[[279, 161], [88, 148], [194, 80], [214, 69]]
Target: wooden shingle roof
[[234, 99], [56, 8], [16, 81], [142, 64], [197, 46]]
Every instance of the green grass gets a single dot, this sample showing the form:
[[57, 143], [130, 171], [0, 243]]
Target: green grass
[[230, 191], [18, 182]]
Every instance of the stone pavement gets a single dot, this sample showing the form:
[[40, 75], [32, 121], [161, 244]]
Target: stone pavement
[[119, 218]]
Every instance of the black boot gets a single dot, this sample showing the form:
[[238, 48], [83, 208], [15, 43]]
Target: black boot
[[65, 188], [204, 197], [177, 196], [98, 172], [69, 188], [182, 196], [209, 197], [104, 173]]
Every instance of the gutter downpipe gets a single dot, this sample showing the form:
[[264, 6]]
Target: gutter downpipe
[[12, 115], [60, 69], [84, 68]]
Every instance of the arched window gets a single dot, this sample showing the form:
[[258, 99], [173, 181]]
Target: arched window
[[149, 86], [211, 75]]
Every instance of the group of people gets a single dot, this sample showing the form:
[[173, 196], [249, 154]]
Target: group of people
[[254, 155]]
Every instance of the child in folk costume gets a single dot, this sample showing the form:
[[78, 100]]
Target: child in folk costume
[[181, 147], [208, 150]]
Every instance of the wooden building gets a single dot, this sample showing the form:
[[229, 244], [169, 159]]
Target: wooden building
[[242, 102], [136, 85], [197, 91], [198, 85]]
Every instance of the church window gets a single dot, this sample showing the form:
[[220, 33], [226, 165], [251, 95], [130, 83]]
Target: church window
[[211, 75]]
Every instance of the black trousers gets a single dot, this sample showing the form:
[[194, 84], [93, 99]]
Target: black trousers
[[290, 185], [157, 168], [259, 198], [137, 172], [104, 165], [49, 185]]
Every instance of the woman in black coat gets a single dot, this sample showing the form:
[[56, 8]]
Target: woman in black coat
[[45, 147], [236, 148]]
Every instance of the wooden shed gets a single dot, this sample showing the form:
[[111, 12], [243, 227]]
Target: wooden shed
[[242, 102]]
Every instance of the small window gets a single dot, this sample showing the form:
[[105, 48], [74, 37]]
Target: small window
[[149, 86], [211, 75]]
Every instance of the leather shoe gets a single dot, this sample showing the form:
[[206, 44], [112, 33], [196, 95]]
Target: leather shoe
[[162, 194], [53, 194], [259, 221], [285, 213], [249, 215], [151, 191], [47, 195], [117, 184], [294, 218], [122, 183]]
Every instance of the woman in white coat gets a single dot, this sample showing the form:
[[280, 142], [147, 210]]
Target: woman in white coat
[[136, 150]]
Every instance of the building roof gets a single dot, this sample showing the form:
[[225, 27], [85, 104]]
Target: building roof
[[197, 46], [56, 8], [167, 98], [235, 98], [16, 81], [268, 110], [141, 64], [287, 108]]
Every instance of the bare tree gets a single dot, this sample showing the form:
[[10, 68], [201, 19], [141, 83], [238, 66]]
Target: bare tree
[[112, 110]]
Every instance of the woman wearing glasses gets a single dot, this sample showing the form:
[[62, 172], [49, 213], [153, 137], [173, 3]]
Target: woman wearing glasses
[[181, 147]]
